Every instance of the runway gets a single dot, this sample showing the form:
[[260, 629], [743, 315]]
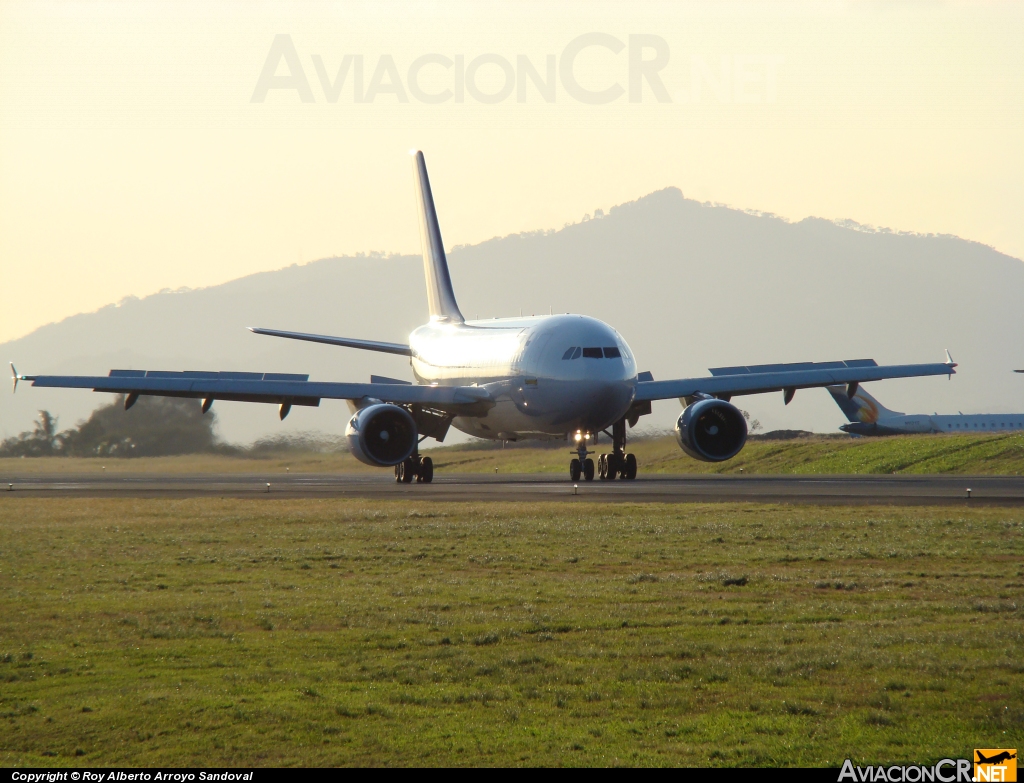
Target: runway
[[828, 489]]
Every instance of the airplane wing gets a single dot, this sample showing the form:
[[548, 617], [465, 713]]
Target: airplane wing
[[284, 389], [345, 342], [726, 382]]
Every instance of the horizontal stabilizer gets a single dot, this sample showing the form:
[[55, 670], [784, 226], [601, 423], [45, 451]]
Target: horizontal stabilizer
[[345, 342]]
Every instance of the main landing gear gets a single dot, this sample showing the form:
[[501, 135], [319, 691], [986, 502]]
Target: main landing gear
[[618, 463], [415, 467]]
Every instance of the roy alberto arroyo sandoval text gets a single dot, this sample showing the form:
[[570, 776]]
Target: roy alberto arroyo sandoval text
[[945, 771], [100, 777]]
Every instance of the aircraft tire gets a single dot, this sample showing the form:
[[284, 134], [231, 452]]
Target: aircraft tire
[[427, 470], [602, 467], [629, 469], [614, 468], [575, 470], [405, 471], [588, 469]]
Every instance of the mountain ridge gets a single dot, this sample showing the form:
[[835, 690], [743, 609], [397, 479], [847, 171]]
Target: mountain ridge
[[689, 284]]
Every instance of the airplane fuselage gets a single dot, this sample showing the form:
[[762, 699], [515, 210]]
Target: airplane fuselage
[[548, 375], [910, 424]]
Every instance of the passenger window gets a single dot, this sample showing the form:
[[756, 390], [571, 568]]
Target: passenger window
[[568, 354], [591, 353], [612, 353]]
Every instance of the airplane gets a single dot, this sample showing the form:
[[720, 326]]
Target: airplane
[[869, 417], [544, 377], [1004, 756]]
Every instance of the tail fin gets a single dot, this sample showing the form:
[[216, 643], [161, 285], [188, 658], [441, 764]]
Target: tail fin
[[862, 407], [440, 296]]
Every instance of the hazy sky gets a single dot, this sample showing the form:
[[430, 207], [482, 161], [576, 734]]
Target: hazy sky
[[140, 149]]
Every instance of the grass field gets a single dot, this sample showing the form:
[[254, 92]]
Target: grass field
[[238, 632], [968, 454]]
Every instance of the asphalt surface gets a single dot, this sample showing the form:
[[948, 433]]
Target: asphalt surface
[[835, 490]]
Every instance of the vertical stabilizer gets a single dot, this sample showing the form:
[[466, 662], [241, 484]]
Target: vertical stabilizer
[[862, 407], [440, 296]]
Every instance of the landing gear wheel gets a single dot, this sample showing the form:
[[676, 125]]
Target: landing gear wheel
[[426, 470], [602, 467], [575, 470], [588, 469], [629, 469], [614, 466], [406, 471]]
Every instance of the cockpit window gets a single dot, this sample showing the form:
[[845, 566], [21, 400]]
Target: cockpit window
[[591, 353]]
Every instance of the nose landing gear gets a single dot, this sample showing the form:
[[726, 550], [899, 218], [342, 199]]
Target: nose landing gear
[[581, 465], [618, 463]]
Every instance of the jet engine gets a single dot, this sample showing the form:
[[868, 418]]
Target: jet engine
[[381, 435], [711, 430]]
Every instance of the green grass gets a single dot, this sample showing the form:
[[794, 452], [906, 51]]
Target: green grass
[[966, 454], [315, 632]]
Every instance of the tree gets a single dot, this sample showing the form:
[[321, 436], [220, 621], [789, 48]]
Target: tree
[[154, 426], [42, 441], [752, 426]]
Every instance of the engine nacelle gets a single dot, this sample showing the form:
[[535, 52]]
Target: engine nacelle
[[711, 430], [381, 435]]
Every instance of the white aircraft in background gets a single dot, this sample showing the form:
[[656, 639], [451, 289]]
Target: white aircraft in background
[[559, 376], [869, 417]]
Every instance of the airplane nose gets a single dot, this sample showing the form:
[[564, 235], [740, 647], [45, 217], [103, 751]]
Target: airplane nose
[[607, 403]]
